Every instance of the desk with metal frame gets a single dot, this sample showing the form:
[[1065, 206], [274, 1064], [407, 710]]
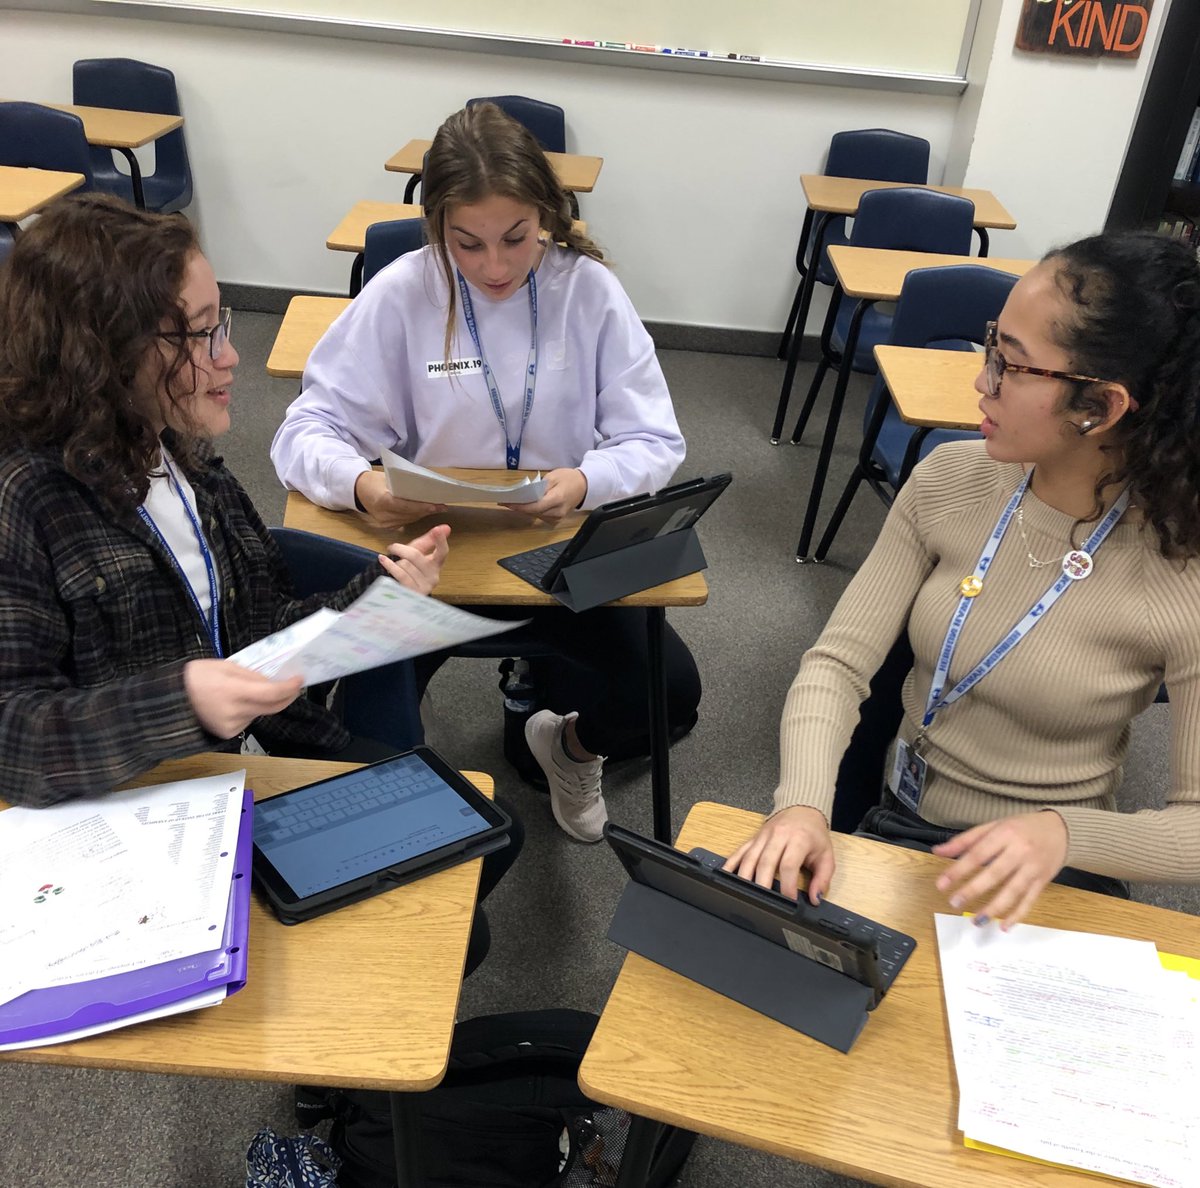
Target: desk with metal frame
[[471, 577], [672, 1051], [830, 197], [364, 997], [870, 275]]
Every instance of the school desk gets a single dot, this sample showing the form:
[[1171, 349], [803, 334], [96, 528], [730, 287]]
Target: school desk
[[109, 127], [350, 235], [482, 534], [306, 319], [364, 997], [576, 174], [668, 1049], [828, 198], [25, 191], [869, 275]]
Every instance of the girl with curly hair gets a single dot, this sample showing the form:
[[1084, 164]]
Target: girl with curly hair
[[131, 560], [1048, 582]]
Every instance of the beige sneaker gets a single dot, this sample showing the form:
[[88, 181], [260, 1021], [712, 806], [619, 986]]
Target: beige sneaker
[[575, 796]]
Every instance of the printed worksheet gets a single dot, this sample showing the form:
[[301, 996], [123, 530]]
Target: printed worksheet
[[388, 622], [407, 480]]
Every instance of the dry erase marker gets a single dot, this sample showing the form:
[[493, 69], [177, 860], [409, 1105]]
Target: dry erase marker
[[571, 41], [687, 53], [612, 45], [642, 49], [748, 58]]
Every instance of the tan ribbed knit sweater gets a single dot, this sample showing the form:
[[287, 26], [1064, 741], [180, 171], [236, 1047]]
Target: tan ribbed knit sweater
[[1049, 725]]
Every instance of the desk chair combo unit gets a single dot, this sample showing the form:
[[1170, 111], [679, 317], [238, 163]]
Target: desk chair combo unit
[[876, 153], [913, 220], [128, 85], [33, 136], [938, 307]]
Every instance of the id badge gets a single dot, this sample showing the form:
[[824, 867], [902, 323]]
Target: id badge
[[908, 776]]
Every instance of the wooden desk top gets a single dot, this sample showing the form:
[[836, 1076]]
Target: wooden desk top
[[306, 319], [350, 235], [574, 172], [479, 535], [25, 191], [932, 388], [841, 195], [886, 1112], [365, 996], [878, 274], [109, 127]]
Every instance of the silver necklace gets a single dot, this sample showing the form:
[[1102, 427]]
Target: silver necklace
[[1034, 563], [1075, 563]]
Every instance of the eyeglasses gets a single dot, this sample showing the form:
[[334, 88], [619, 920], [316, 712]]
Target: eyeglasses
[[217, 335], [995, 365]]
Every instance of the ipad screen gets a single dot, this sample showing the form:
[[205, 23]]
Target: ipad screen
[[341, 829]]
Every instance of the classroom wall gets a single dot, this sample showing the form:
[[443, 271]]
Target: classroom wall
[[698, 202]]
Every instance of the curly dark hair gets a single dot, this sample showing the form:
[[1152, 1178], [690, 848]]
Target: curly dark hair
[[84, 297], [1135, 302], [482, 151]]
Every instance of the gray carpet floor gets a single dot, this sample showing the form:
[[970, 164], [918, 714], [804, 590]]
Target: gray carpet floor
[[65, 1127]]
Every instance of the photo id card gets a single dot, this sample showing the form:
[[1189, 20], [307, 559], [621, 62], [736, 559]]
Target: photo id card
[[908, 776]]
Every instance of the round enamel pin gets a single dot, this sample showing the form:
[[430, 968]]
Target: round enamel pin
[[970, 586], [1077, 564]]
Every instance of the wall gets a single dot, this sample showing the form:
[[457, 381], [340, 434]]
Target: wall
[[698, 202], [1056, 129]]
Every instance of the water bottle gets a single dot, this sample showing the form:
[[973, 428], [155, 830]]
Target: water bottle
[[520, 701]]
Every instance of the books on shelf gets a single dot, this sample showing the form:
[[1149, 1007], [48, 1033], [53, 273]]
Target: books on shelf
[[1189, 156], [132, 906]]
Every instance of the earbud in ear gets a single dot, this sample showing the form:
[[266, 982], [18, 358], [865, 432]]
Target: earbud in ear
[[1086, 428]]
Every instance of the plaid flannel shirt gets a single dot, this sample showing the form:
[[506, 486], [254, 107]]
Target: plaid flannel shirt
[[96, 625]]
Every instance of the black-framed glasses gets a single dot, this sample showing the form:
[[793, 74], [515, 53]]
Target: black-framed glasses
[[217, 335], [995, 365]]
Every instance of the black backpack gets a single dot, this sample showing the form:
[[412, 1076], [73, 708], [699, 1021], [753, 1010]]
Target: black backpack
[[509, 1114]]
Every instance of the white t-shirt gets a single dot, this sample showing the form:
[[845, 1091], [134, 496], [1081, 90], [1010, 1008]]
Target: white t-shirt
[[378, 379], [169, 487]]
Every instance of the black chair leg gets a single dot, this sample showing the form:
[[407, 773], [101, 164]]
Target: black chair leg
[[802, 269], [810, 400], [839, 512], [786, 340]]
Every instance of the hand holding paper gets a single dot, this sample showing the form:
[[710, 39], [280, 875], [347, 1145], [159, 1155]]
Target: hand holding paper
[[406, 480]]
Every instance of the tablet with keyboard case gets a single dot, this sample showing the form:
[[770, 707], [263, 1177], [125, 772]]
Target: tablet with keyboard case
[[617, 525], [835, 937], [354, 835]]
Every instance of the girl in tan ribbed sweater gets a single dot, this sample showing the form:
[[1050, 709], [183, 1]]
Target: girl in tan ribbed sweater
[[1091, 398]]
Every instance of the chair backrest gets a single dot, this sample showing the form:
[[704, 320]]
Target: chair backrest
[[544, 120], [389, 241], [130, 85], [7, 239], [880, 155], [33, 136], [914, 220], [381, 703], [949, 305]]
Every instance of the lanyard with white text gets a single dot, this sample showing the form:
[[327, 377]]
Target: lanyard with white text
[[212, 619], [971, 587], [512, 453]]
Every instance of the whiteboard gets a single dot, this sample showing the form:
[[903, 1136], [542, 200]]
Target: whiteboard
[[908, 37]]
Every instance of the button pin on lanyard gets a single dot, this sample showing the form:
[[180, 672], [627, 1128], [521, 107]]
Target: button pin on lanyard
[[212, 621], [970, 587], [512, 453]]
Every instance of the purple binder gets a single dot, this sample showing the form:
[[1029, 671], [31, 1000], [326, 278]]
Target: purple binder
[[56, 1010]]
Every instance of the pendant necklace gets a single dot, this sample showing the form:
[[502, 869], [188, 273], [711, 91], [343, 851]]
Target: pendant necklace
[[1075, 563]]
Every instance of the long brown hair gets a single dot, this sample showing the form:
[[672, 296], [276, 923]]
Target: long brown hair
[[84, 297], [480, 152]]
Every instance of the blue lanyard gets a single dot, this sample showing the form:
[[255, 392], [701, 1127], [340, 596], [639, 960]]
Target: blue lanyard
[[512, 453], [974, 584], [212, 620]]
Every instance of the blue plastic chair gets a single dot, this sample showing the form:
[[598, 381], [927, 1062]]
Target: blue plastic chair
[[380, 703], [544, 120], [389, 241], [875, 153], [906, 219], [946, 308], [37, 137], [129, 85]]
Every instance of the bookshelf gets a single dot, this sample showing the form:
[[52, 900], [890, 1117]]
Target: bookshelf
[[1146, 192]]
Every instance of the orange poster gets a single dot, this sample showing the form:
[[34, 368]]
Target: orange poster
[[1090, 28]]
